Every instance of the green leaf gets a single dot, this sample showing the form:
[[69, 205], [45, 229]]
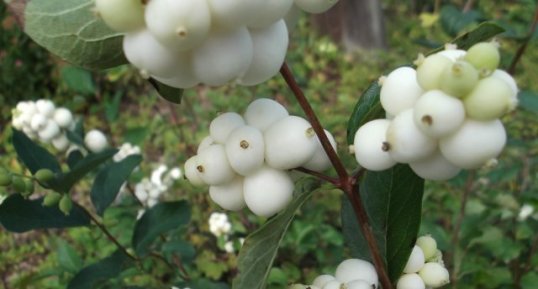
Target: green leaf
[[483, 32], [184, 250], [393, 201], [74, 157], [158, 220], [68, 258], [112, 106], [454, 20], [32, 155], [109, 180], [84, 166], [169, 93], [77, 79], [19, 215], [529, 280], [368, 108], [260, 248], [528, 100], [99, 273], [70, 30]]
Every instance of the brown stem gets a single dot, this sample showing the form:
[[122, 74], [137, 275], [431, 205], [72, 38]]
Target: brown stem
[[318, 175], [468, 6], [457, 226], [525, 44], [109, 235], [314, 121], [345, 181]]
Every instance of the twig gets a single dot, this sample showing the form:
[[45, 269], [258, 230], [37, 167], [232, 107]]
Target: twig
[[525, 44], [345, 182], [457, 226], [318, 175], [109, 235], [468, 6]]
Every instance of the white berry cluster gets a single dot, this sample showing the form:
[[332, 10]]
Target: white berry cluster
[[245, 159], [441, 117], [425, 267], [350, 274], [219, 225], [42, 120], [149, 190], [125, 150], [184, 43]]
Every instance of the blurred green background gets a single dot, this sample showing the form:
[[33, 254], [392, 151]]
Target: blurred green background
[[481, 219]]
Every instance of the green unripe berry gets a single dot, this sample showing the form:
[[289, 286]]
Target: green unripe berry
[[490, 99], [434, 275], [44, 176], [430, 70], [121, 15], [428, 246], [29, 186], [52, 199], [18, 185], [5, 178], [66, 204], [459, 79], [484, 56]]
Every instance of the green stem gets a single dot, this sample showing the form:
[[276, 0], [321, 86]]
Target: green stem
[[525, 44]]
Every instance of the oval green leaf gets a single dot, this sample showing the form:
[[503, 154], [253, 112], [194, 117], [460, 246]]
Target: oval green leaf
[[99, 273], [260, 248], [109, 180], [158, 220], [70, 30], [393, 201], [19, 215]]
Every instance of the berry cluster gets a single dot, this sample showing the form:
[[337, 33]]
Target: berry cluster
[[184, 43], [350, 274], [42, 120], [245, 159], [441, 117], [425, 267]]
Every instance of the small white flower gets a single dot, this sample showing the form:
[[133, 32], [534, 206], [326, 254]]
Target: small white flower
[[229, 247], [525, 212], [175, 173]]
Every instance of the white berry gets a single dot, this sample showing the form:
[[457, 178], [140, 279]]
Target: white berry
[[371, 147], [229, 196], [406, 140], [63, 117], [191, 172], [400, 90], [181, 25], [410, 281], [435, 167], [50, 131], [245, 148], [268, 191], [437, 114], [121, 15], [213, 166], [415, 261], [95, 141], [475, 143], [434, 275], [263, 112], [45, 107], [61, 142], [428, 246], [321, 280], [315, 6], [320, 161], [205, 143], [356, 269], [289, 143], [221, 127], [359, 284], [334, 284], [270, 45]]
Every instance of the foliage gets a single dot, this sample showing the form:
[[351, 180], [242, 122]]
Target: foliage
[[475, 218]]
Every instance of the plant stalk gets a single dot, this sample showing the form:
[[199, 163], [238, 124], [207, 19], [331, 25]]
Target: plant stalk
[[523, 47], [345, 182]]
